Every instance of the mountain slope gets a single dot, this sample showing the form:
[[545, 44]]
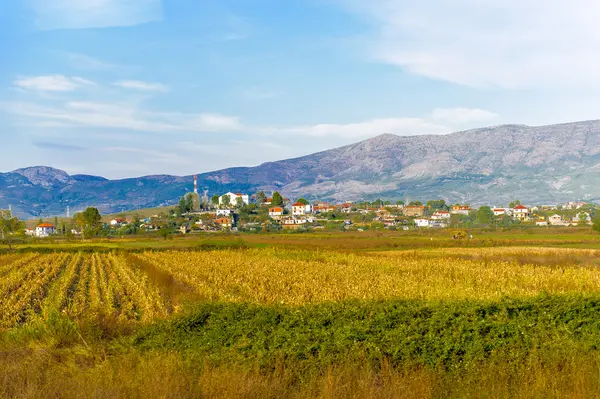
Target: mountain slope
[[491, 165]]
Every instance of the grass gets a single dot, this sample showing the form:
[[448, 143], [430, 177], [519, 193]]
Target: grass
[[364, 315]]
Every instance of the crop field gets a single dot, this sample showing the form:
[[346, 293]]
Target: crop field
[[285, 321]]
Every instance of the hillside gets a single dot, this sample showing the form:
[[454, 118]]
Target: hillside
[[544, 164]]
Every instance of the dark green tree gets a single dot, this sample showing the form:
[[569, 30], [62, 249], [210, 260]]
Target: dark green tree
[[302, 201], [225, 201], [214, 200], [261, 198], [485, 215], [277, 199]]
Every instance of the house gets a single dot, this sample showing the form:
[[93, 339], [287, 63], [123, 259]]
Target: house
[[582, 217], [118, 222], [421, 222], [521, 212], [44, 230], [440, 215], [541, 222], [224, 223], [224, 212], [557, 220], [461, 210], [346, 208], [499, 211], [276, 212], [300, 209], [414, 210], [30, 232], [574, 205], [322, 207], [233, 198]]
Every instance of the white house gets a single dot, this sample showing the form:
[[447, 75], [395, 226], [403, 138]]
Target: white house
[[557, 220], [441, 215], [118, 222], [233, 198], [224, 212], [44, 230], [587, 219], [461, 210], [421, 222], [499, 211], [521, 212], [541, 222], [276, 211], [300, 209]]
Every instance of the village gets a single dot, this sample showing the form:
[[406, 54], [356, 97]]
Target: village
[[239, 212]]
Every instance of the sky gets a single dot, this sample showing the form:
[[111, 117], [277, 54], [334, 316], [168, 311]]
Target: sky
[[124, 88]]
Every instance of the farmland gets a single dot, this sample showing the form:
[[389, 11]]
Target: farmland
[[365, 317]]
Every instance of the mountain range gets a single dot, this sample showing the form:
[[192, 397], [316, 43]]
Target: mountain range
[[493, 165]]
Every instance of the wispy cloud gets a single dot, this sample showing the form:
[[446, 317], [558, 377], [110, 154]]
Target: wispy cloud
[[459, 116], [120, 116], [257, 94], [46, 145], [58, 83], [141, 86], [79, 14], [82, 61], [510, 44]]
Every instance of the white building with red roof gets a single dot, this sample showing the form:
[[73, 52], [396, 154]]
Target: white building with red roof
[[44, 230], [300, 209], [521, 212]]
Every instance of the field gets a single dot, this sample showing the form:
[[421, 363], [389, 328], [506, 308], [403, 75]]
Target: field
[[303, 316]]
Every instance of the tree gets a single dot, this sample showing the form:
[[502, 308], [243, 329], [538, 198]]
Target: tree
[[10, 226], [186, 204], [225, 201], [302, 201], [89, 221], [239, 202], [416, 203], [399, 202], [437, 205], [485, 215], [277, 199], [596, 225], [214, 200], [514, 203], [261, 198]]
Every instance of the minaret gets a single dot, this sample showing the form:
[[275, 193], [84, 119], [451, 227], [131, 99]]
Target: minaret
[[196, 184]]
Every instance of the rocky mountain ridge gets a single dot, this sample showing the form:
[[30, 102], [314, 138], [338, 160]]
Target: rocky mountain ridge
[[546, 164]]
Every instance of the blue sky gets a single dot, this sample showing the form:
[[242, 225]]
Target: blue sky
[[123, 88]]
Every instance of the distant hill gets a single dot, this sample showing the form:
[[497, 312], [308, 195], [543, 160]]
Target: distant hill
[[546, 164]]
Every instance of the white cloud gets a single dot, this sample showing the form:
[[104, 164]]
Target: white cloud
[[370, 128], [140, 85], [485, 43], [79, 14], [459, 116], [57, 83]]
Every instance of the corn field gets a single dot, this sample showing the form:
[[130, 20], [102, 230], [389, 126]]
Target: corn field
[[141, 287]]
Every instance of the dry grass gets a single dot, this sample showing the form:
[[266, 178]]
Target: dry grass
[[39, 373], [298, 277]]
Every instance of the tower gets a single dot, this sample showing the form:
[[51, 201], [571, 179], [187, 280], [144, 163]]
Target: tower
[[196, 184]]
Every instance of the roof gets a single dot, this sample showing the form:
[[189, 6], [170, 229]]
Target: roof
[[299, 204], [521, 207], [276, 209], [223, 221], [46, 225]]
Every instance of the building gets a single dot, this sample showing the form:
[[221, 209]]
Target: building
[[414, 210], [521, 212], [276, 212], [118, 222], [224, 212], [499, 211], [421, 222], [541, 222], [557, 220], [574, 205], [582, 217], [233, 198], [440, 215], [224, 223], [300, 209], [44, 230], [461, 210]]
